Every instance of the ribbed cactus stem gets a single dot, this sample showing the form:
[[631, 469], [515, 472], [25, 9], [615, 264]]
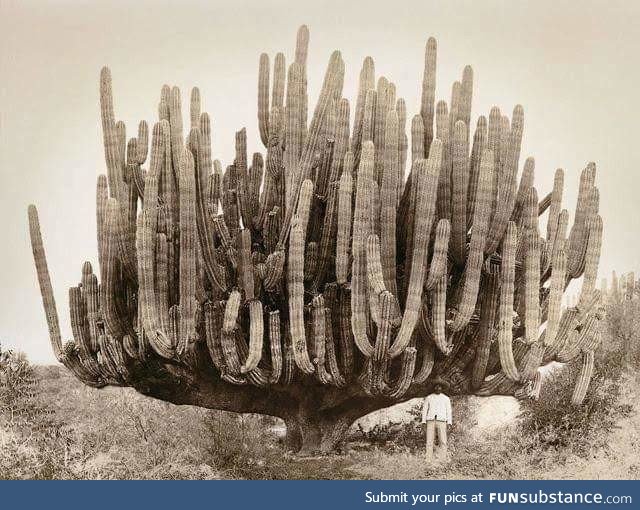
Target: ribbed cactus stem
[[555, 207], [295, 284], [443, 133], [473, 268], [460, 182], [361, 230], [592, 256], [388, 202], [579, 231], [44, 280], [556, 289], [231, 311], [365, 83], [115, 321], [427, 185], [438, 316], [188, 254], [275, 343], [383, 338], [279, 77], [428, 91], [194, 108], [506, 182], [343, 236], [256, 336], [263, 98], [505, 310], [584, 378], [438, 266], [486, 331], [245, 266], [532, 288], [102, 195], [319, 339]]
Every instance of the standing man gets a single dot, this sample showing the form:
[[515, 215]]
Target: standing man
[[436, 414]]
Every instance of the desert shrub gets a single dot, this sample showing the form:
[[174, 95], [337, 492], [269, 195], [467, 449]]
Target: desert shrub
[[17, 385], [34, 443], [555, 423]]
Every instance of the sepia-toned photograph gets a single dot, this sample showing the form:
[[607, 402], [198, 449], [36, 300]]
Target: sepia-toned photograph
[[329, 240]]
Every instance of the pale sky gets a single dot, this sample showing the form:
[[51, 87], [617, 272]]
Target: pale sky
[[573, 65]]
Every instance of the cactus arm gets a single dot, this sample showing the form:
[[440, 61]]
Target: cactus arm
[[343, 235], [592, 257], [388, 202], [187, 276], [379, 359], [556, 288], [582, 384], [296, 299], [275, 344], [579, 231], [506, 184], [330, 351], [256, 336], [92, 300], [175, 122], [345, 336], [142, 142], [263, 98], [428, 360], [477, 149], [438, 311], [427, 180], [331, 88], [443, 132], [361, 229], [213, 314], [374, 265], [319, 339], [505, 310], [460, 182], [486, 331], [526, 183], [102, 195], [245, 265], [203, 216], [44, 280], [428, 92], [78, 313], [194, 108], [115, 319], [532, 289], [110, 134], [473, 268], [365, 84], [404, 380], [554, 209], [438, 267], [279, 77], [228, 333]]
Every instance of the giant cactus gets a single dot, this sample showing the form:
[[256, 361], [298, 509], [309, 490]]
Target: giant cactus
[[327, 278]]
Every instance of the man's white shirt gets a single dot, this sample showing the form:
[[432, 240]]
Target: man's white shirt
[[436, 407]]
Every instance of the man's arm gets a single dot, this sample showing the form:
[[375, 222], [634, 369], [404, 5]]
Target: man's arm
[[425, 409], [449, 413]]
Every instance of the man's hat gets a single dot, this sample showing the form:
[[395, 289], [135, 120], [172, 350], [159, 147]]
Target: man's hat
[[438, 381]]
